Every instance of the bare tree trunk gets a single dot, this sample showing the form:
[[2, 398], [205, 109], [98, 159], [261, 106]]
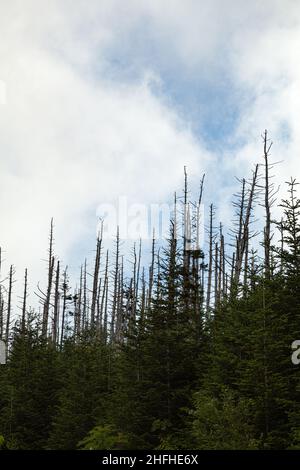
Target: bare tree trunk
[[49, 287], [216, 275], [105, 314], [80, 300], [210, 260], [65, 292], [115, 293], [158, 285], [198, 215], [76, 315], [151, 271], [185, 201], [238, 253], [136, 279], [226, 284], [267, 230], [8, 308], [120, 316], [246, 265], [143, 298], [56, 306], [224, 281], [220, 276], [104, 299], [187, 258], [23, 322], [232, 272], [96, 277], [98, 306], [84, 308], [242, 242]]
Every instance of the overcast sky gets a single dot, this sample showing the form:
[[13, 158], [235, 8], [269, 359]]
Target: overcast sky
[[102, 98]]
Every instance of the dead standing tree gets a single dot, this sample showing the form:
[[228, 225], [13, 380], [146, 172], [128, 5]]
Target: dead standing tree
[[9, 307], [46, 306], [210, 258], [269, 200], [242, 243], [66, 297], [115, 291], [24, 306], [103, 308], [151, 269], [96, 276], [55, 322]]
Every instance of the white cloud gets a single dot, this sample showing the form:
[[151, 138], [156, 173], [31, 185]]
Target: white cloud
[[71, 138], [69, 143]]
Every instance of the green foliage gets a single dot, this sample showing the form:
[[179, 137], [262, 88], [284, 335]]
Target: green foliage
[[104, 438], [83, 394], [29, 389], [222, 423], [159, 360], [174, 379], [2, 442]]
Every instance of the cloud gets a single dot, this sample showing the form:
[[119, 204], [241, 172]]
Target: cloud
[[69, 143], [89, 115]]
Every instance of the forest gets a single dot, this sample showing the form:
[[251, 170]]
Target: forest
[[192, 351]]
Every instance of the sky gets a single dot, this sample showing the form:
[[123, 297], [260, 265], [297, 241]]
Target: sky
[[107, 98]]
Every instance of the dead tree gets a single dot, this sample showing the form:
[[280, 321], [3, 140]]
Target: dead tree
[[221, 281], [143, 297], [56, 306], [119, 315], [84, 307], [105, 321], [96, 277], [115, 291], [151, 269], [76, 314], [216, 275], [232, 272], [240, 204], [246, 269], [49, 286], [185, 224], [244, 224], [23, 320], [103, 308], [210, 259], [80, 299], [98, 308], [65, 289], [198, 214], [8, 315], [268, 202], [136, 277], [158, 278]]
